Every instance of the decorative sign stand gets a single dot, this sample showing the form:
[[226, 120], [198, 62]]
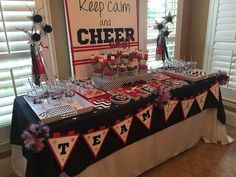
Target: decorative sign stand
[[94, 26]]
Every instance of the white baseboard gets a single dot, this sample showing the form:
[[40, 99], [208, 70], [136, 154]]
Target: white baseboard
[[230, 118]]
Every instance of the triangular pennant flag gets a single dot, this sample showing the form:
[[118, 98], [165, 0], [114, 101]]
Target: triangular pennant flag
[[145, 116], [122, 128], [186, 106], [201, 99], [169, 108], [62, 148], [95, 140], [215, 91]]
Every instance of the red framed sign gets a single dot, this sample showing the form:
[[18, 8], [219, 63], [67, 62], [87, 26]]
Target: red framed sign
[[94, 25]]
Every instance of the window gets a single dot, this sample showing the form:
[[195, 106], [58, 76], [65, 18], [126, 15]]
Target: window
[[220, 52], [156, 10], [14, 52]]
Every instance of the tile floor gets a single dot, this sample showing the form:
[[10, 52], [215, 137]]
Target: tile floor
[[204, 160]]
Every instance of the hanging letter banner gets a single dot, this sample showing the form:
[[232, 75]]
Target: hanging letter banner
[[201, 99], [96, 26], [186, 106], [94, 140], [62, 147], [122, 128], [145, 116], [215, 90], [169, 108]]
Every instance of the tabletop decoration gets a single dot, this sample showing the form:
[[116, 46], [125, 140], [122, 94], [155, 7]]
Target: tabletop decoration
[[162, 96], [38, 31], [222, 77], [161, 49], [34, 137]]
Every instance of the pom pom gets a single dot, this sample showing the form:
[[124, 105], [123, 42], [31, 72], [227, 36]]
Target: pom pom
[[37, 18], [47, 29], [169, 19], [160, 26], [36, 37], [166, 33]]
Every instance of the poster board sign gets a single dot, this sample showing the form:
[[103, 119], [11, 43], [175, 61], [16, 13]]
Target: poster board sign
[[93, 25]]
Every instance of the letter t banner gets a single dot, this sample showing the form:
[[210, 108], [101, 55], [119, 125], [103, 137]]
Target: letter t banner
[[62, 147], [145, 116], [95, 140]]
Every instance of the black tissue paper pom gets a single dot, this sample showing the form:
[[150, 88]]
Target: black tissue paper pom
[[36, 37], [160, 26], [169, 19], [37, 18], [47, 29], [166, 33]]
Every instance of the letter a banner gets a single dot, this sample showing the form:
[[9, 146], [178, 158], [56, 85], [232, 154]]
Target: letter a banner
[[62, 146], [145, 116], [186, 106], [122, 128], [94, 140], [215, 90]]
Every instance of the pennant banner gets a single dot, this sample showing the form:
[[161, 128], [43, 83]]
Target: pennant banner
[[145, 116], [215, 90], [122, 128], [95, 140], [169, 108], [186, 106], [201, 99], [62, 147]]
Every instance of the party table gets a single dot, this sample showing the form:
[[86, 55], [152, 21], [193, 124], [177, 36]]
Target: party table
[[125, 140]]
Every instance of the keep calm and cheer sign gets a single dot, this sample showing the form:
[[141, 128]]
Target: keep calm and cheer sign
[[93, 25]]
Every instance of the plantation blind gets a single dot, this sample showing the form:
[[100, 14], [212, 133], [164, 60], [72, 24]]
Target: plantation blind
[[157, 9], [14, 52], [224, 48]]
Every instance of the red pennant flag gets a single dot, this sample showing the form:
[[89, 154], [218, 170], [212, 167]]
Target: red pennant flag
[[62, 148], [145, 116], [94, 140], [169, 108], [186, 106], [122, 128]]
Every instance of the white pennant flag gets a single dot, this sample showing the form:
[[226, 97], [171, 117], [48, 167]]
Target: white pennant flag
[[169, 108], [62, 148], [122, 128], [215, 91], [201, 99], [186, 106], [145, 116], [95, 140]]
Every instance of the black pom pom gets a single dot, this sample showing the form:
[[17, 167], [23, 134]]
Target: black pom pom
[[37, 18], [47, 29], [169, 19], [160, 26], [36, 37], [166, 33]]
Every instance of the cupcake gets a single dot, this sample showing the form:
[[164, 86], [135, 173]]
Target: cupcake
[[122, 68], [98, 72], [142, 68], [109, 75]]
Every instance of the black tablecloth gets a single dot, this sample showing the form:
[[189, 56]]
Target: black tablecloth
[[44, 163]]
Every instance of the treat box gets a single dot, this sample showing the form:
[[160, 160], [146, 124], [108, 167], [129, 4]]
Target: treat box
[[59, 108], [118, 82], [183, 76]]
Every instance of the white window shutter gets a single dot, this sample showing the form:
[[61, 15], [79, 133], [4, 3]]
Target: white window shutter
[[156, 11], [224, 47], [14, 52]]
